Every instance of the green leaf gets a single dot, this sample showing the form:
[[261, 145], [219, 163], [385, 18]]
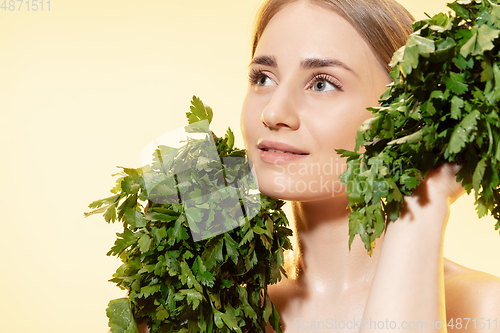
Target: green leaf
[[230, 322], [249, 235], [146, 291], [463, 12], [230, 140], [110, 214], [145, 243], [479, 174], [162, 314], [470, 47], [441, 107], [251, 260], [460, 135], [218, 319], [397, 57], [424, 45], [495, 15], [445, 47], [199, 111], [487, 73], [347, 153], [456, 107], [175, 282], [206, 279], [494, 95], [188, 278], [131, 172], [178, 232], [106, 201], [481, 208], [247, 308], [485, 37], [410, 59], [134, 218], [125, 240], [193, 213], [231, 247], [456, 83], [268, 308], [120, 316], [96, 211], [410, 181], [158, 234], [407, 139], [160, 217], [192, 296], [258, 230]]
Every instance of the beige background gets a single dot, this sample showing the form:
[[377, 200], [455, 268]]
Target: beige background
[[83, 88]]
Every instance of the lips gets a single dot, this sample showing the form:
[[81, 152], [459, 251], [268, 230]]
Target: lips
[[273, 152], [280, 147]]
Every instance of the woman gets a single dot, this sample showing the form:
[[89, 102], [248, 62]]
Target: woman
[[316, 66]]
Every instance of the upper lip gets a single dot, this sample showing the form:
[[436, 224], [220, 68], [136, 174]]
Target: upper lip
[[280, 146]]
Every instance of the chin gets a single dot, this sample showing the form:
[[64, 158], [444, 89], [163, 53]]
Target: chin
[[302, 197], [278, 191], [276, 182]]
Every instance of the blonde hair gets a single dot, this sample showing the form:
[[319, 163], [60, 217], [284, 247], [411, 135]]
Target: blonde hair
[[384, 24]]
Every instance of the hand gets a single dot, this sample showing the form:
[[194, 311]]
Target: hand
[[443, 181], [409, 280], [435, 193]]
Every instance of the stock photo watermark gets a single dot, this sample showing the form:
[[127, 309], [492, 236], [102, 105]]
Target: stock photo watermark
[[183, 167], [287, 182], [220, 194], [384, 325], [25, 6]]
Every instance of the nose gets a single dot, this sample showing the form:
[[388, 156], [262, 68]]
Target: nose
[[282, 110]]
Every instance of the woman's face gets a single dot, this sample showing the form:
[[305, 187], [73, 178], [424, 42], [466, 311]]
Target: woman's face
[[311, 79]]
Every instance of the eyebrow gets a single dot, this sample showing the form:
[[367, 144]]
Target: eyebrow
[[308, 63]]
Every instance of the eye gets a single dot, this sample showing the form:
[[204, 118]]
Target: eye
[[324, 82], [323, 86], [257, 77]]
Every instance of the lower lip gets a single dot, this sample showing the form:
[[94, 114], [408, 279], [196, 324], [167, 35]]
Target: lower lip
[[275, 157]]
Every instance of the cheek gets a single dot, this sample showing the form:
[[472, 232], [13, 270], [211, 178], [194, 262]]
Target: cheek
[[337, 127], [248, 121]]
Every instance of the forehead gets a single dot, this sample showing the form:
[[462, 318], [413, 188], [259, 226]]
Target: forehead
[[302, 30]]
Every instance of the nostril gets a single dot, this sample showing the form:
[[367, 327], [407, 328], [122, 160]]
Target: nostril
[[264, 122]]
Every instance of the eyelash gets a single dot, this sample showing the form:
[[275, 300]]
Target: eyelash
[[255, 75], [328, 78]]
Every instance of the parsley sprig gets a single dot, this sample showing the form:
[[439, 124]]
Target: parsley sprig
[[192, 261], [442, 107]]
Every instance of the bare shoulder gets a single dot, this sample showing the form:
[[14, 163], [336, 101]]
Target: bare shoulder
[[469, 280], [471, 294]]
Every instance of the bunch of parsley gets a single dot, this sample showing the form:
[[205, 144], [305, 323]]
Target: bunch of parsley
[[442, 107], [194, 262]]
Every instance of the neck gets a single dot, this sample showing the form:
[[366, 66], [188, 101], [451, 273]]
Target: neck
[[325, 266]]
